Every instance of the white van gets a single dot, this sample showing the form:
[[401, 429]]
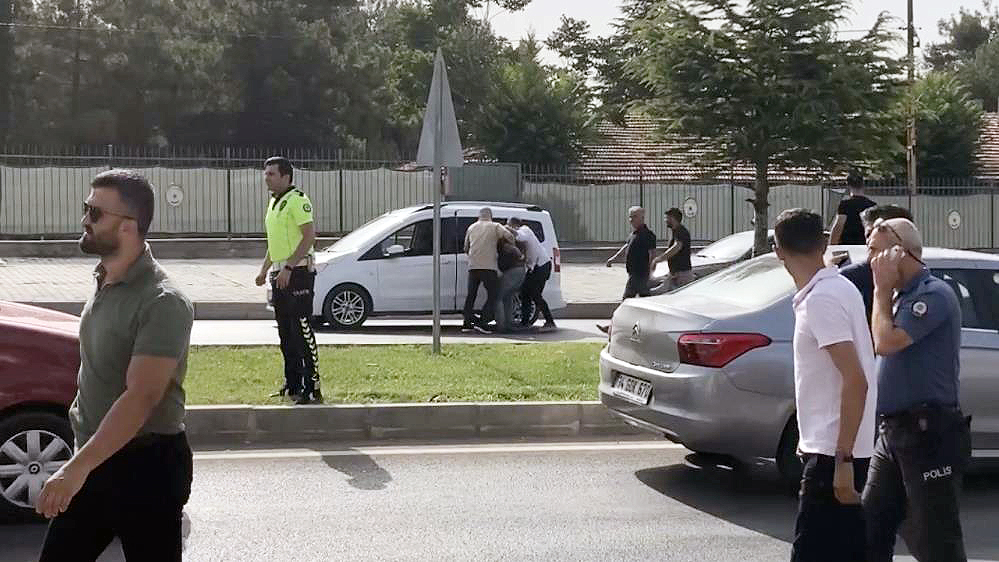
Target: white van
[[385, 267]]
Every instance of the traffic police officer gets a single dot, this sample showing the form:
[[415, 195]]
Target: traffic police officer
[[924, 442], [289, 267]]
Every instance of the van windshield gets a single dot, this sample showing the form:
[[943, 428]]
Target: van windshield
[[364, 233]]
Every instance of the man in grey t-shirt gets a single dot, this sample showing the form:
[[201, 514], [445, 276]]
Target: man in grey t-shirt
[[131, 473]]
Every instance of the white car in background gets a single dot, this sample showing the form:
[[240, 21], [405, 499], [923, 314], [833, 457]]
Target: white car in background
[[716, 256], [385, 267]]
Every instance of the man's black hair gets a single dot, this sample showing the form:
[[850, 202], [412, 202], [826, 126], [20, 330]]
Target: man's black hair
[[135, 192], [855, 179], [675, 213], [800, 231], [886, 212], [283, 165]]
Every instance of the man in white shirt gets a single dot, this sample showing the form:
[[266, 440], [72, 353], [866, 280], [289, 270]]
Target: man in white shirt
[[835, 394], [482, 246], [539, 269]]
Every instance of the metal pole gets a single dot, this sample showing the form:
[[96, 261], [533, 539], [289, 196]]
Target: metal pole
[[910, 150], [641, 185], [992, 213], [438, 164], [228, 190], [339, 164]]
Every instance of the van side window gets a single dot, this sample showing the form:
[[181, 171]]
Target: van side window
[[453, 234], [417, 239]]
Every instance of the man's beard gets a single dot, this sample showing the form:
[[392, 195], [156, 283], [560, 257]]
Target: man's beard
[[93, 244]]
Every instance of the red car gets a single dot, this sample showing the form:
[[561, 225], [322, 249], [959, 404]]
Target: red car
[[39, 360]]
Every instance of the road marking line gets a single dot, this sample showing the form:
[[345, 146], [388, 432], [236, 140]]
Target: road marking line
[[434, 450]]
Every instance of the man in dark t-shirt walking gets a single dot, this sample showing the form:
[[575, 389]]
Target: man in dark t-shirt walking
[[848, 229], [640, 249], [677, 255]]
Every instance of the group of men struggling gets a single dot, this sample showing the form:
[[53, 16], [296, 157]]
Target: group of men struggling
[[508, 260], [883, 440]]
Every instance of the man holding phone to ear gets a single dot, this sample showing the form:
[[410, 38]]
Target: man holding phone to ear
[[924, 441], [834, 394]]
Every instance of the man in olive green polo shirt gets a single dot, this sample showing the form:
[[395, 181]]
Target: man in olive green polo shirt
[[291, 237], [131, 473]]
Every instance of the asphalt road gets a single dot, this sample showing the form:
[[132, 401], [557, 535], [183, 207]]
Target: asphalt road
[[396, 331], [548, 502]]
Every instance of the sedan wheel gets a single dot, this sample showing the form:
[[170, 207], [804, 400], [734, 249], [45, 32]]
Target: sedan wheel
[[33, 447], [347, 306]]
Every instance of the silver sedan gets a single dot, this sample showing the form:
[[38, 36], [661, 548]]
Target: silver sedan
[[710, 365]]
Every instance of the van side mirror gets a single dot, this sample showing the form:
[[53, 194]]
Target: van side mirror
[[395, 250]]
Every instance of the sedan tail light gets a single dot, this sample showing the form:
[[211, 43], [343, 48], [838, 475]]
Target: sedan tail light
[[717, 350], [556, 260]]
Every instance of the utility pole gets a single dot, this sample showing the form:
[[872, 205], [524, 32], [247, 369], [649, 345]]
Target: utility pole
[[910, 145]]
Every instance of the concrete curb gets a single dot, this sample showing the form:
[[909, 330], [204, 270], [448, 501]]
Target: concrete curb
[[258, 311], [247, 425]]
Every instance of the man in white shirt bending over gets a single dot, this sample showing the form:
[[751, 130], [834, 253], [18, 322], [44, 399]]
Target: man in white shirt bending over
[[835, 394], [539, 269]]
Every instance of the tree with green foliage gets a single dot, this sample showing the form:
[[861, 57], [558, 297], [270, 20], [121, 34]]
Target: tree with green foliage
[[948, 127], [971, 52], [603, 59], [535, 114], [6, 65], [770, 84], [412, 32]]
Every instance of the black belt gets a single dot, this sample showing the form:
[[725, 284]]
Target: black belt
[[924, 410], [149, 439]]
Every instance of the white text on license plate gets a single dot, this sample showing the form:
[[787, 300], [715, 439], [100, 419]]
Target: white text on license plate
[[632, 389]]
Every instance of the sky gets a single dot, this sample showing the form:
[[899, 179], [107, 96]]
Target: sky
[[542, 17]]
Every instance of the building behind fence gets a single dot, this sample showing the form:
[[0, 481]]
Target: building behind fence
[[220, 192]]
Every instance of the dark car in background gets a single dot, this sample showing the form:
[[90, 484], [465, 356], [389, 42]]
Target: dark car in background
[[39, 360]]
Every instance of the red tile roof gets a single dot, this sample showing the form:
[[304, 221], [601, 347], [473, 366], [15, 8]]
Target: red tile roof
[[638, 151]]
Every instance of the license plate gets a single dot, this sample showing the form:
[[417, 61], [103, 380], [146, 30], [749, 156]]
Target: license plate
[[633, 390]]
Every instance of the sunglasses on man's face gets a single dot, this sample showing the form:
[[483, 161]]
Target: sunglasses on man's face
[[882, 226], [96, 213]]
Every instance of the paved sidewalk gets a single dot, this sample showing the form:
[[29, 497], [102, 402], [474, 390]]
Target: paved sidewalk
[[232, 280]]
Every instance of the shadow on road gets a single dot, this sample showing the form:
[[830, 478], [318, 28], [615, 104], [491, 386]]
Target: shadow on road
[[760, 503], [364, 472]]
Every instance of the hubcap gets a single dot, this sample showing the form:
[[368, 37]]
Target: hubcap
[[518, 315], [348, 307], [27, 460]]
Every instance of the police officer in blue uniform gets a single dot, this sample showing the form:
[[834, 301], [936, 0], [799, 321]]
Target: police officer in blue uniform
[[924, 441]]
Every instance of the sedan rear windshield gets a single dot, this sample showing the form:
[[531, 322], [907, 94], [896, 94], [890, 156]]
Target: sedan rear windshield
[[754, 283]]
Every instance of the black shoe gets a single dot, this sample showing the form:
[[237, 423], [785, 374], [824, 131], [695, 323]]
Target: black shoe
[[315, 397], [548, 327], [467, 328], [283, 391], [483, 329]]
